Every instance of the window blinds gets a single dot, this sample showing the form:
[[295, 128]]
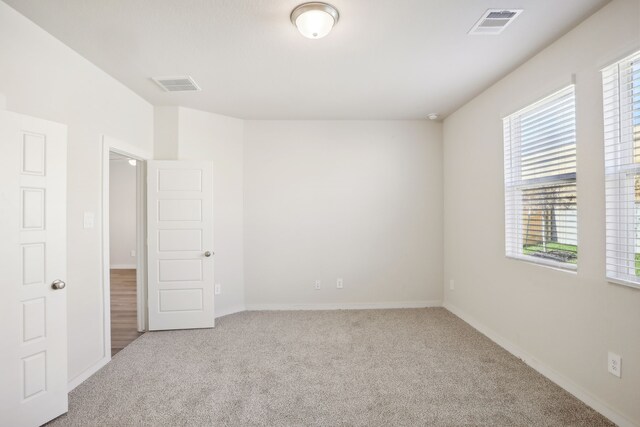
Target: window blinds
[[621, 97], [540, 181]]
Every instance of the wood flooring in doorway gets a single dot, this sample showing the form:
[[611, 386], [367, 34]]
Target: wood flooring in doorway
[[124, 325]]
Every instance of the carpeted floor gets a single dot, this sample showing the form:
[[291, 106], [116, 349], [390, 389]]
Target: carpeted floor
[[329, 368]]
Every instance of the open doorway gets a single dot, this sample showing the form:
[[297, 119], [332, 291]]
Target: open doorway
[[123, 246]]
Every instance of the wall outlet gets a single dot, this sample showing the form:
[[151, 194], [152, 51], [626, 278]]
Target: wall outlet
[[133, 253], [317, 285], [452, 284], [339, 283], [217, 289], [614, 364]]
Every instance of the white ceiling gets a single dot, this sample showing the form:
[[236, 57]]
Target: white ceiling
[[386, 59]]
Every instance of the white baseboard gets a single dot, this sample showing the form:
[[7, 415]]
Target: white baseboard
[[562, 381], [123, 266], [79, 379], [344, 306], [229, 310]]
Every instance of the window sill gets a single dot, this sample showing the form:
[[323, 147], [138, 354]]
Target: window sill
[[560, 266], [623, 282]]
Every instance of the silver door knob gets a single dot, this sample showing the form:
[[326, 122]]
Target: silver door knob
[[208, 254], [58, 284]]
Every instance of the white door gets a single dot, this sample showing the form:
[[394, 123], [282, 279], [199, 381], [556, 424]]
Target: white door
[[180, 242], [33, 311]]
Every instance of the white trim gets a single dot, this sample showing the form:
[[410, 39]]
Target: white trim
[[113, 145], [123, 266], [125, 149], [141, 246], [553, 375], [106, 263], [548, 263], [621, 282], [230, 310], [79, 379], [345, 306], [328, 306]]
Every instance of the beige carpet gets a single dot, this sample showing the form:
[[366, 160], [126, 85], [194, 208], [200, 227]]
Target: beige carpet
[[330, 368]]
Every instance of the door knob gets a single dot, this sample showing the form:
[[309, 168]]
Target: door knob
[[208, 254], [58, 284]]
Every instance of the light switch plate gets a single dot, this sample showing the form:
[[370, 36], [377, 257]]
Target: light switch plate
[[89, 219]]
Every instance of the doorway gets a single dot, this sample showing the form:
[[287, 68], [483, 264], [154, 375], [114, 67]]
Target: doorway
[[123, 250]]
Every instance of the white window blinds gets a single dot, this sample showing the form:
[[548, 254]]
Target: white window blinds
[[621, 96], [540, 182]]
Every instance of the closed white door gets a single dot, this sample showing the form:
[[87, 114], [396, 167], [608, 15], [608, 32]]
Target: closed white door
[[33, 304], [180, 244]]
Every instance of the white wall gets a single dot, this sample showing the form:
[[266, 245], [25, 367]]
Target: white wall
[[40, 76], [388, 221], [562, 322], [122, 213], [165, 133], [207, 136], [360, 200]]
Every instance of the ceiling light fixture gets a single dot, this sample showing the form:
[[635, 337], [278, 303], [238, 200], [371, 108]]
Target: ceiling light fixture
[[433, 116], [133, 162], [314, 20]]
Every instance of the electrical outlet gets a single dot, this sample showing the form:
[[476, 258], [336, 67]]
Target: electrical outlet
[[452, 284], [317, 285], [339, 283], [614, 364], [217, 289], [133, 253]]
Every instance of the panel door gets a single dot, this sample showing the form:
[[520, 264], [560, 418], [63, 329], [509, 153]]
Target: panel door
[[33, 315], [180, 240]]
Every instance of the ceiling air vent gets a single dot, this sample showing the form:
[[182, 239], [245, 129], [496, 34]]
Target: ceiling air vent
[[494, 21], [176, 84]]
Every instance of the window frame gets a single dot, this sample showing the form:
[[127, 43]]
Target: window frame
[[514, 233], [620, 197]]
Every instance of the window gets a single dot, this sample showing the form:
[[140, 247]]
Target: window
[[540, 182], [621, 96]]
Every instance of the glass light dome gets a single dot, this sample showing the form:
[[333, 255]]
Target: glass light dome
[[314, 20]]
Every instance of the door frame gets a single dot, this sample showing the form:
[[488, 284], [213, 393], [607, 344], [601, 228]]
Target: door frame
[[110, 144]]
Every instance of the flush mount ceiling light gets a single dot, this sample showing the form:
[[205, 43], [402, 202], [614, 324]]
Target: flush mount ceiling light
[[314, 20]]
